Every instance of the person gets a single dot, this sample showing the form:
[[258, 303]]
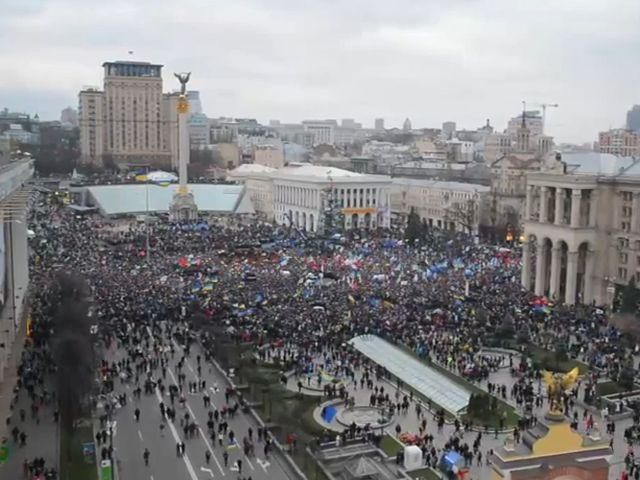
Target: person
[[137, 414], [146, 456], [207, 457], [239, 462], [225, 457]]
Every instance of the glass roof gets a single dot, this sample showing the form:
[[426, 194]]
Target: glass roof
[[429, 382], [128, 199]]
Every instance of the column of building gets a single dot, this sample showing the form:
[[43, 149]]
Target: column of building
[[540, 267], [559, 214], [544, 204]]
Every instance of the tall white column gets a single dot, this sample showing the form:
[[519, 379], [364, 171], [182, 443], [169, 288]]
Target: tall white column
[[559, 206], [593, 208], [588, 295], [544, 204], [554, 279], [526, 266], [183, 149], [572, 271], [528, 203], [540, 268], [576, 195]]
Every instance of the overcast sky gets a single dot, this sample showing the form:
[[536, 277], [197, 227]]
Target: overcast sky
[[429, 60]]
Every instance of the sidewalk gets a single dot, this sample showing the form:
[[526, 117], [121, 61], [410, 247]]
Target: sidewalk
[[9, 383]]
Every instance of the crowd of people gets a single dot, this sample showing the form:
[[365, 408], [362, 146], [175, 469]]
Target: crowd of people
[[442, 297]]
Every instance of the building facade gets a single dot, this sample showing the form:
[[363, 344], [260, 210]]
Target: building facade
[[269, 155], [302, 195], [130, 120], [448, 205], [199, 130], [625, 143], [633, 119], [324, 131], [69, 117], [14, 258], [257, 181], [582, 228]]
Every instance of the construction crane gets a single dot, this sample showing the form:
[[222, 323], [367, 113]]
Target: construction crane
[[544, 112]]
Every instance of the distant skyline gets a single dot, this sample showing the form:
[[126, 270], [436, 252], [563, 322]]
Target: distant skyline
[[435, 61]]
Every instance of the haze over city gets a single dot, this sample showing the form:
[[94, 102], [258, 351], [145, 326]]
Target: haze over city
[[430, 61]]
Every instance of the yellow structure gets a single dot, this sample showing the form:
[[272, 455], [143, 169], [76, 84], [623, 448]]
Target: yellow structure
[[552, 449]]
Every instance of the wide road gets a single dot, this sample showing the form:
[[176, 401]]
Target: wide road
[[131, 437]]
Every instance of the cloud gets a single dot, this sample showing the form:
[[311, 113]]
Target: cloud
[[462, 60]]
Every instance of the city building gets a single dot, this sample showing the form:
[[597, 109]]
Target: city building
[[633, 119], [195, 104], [258, 185], [130, 121], [533, 121], [582, 227], [509, 178], [618, 141], [229, 154], [27, 122], [16, 135], [449, 129], [460, 150], [269, 155], [379, 124], [199, 129], [324, 131], [302, 195], [496, 145], [448, 205], [15, 199], [69, 117]]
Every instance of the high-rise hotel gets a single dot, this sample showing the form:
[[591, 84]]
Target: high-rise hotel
[[130, 120]]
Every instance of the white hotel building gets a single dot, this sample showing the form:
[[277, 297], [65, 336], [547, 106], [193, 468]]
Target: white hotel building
[[301, 195]]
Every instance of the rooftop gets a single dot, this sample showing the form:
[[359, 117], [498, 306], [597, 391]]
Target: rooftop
[[248, 168], [461, 186], [130, 62], [134, 199], [604, 164]]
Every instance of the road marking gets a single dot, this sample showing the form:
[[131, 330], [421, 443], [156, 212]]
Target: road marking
[[172, 428], [204, 437], [207, 470], [151, 477], [190, 367], [263, 463], [140, 435]]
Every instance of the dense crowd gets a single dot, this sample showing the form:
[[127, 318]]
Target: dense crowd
[[441, 298]]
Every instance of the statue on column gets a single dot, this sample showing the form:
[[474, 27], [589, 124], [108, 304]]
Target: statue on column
[[183, 207], [183, 78]]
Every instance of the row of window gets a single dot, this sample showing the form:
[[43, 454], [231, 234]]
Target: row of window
[[623, 274]]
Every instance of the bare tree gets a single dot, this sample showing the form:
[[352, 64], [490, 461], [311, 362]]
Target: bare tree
[[463, 214]]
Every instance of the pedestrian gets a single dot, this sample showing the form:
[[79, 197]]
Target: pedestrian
[[225, 457], [207, 457], [146, 456]]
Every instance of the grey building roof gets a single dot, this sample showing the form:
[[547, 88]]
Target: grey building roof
[[132, 199], [605, 164], [424, 183]]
